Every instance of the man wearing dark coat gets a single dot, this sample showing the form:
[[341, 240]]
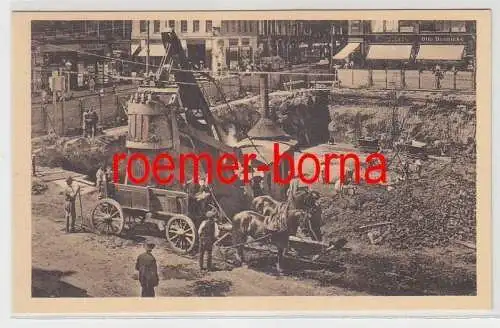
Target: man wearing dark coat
[[148, 271]]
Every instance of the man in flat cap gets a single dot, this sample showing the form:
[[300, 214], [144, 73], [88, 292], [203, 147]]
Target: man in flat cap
[[70, 209], [148, 271], [208, 232]]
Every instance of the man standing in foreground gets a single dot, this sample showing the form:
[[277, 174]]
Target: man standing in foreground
[[70, 209], [148, 271], [208, 232]]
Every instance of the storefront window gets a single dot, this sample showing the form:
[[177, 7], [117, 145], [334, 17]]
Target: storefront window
[[184, 26], [458, 27]]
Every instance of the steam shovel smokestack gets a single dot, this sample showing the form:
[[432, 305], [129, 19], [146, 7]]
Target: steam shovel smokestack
[[266, 128], [264, 96]]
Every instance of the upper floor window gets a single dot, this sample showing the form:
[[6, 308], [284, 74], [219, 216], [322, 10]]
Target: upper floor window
[[184, 26], [196, 26], [443, 26], [406, 27], [208, 26], [156, 26], [458, 27], [355, 26], [143, 26], [171, 24], [427, 26]]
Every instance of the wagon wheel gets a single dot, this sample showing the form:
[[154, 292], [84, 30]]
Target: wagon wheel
[[181, 234], [107, 217]]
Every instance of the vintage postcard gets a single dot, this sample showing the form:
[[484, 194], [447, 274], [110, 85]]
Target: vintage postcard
[[186, 162]]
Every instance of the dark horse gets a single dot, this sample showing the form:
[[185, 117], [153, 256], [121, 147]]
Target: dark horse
[[252, 224]]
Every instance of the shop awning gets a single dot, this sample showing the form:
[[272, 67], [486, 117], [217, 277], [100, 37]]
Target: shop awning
[[60, 48], [155, 50], [440, 52], [346, 51], [389, 52]]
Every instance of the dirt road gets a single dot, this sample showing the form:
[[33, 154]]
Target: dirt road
[[88, 265]]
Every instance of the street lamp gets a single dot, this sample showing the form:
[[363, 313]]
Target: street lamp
[[101, 94], [44, 110], [68, 68]]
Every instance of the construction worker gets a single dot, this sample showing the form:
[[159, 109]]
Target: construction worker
[[148, 271], [297, 190], [331, 132], [439, 74], [70, 209], [208, 232], [100, 181], [88, 123], [33, 165], [94, 118], [256, 184]]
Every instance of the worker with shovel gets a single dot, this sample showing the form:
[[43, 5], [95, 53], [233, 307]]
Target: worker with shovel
[[70, 209]]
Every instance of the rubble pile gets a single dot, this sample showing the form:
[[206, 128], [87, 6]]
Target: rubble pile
[[432, 212], [38, 186]]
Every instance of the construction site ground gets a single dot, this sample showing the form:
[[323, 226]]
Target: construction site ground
[[89, 265], [84, 264]]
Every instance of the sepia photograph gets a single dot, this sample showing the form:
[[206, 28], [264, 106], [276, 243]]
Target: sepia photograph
[[189, 158]]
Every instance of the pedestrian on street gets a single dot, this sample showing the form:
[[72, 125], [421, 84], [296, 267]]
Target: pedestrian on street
[[70, 207], [92, 85], [148, 271], [208, 232]]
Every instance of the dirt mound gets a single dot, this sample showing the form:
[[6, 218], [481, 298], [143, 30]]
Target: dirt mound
[[431, 212], [80, 155], [302, 114]]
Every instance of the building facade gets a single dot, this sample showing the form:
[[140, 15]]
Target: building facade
[[83, 49], [300, 41], [211, 44], [406, 43]]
